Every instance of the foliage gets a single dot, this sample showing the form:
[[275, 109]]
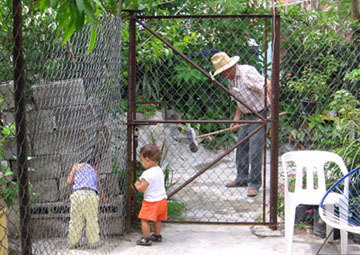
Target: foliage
[[164, 76], [308, 219], [121, 172], [175, 208], [311, 85], [345, 105], [6, 41], [281, 192], [65, 17], [72, 15], [8, 187], [146, 109], [353, 76], [35, 37], [328, 134], [281, 202], [338, 134], [210, 142], [139, 195], [347, 127], [315, 47], [142, 106]]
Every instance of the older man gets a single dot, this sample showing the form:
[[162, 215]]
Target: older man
[[248, 86]]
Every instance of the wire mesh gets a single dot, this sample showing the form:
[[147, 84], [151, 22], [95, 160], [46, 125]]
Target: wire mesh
[[74, 102], [318, 91], [164, 76], [72, 113], [315, 67]]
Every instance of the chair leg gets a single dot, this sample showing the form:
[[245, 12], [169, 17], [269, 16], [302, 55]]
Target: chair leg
[[344, 234], [330, 209], [325, 241], [289, 226], [328, 231], [344, 241]]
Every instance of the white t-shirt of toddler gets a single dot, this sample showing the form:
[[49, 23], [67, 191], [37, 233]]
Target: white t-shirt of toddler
[[156, 189]]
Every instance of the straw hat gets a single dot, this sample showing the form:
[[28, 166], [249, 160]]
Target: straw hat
[[222, 61]]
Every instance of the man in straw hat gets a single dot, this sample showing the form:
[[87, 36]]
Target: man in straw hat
[[248, 86]]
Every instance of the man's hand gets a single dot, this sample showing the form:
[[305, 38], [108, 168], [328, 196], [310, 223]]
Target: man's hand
[[234, 127]]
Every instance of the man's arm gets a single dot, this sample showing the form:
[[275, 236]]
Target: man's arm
[[235, 126], [268, 87]]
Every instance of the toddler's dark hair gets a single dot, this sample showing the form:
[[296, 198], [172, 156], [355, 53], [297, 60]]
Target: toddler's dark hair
[[151, 151]]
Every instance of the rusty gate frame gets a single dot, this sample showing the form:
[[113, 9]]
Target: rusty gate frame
[[132, 123]]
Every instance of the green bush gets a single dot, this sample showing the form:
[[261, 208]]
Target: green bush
[[8, 187]]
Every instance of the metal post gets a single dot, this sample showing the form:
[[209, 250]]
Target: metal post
[[275, 121], [265, 113], [131, 116], [20, 122]]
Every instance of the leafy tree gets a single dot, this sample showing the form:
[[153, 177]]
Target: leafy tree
[[71, 15], [164, 76]]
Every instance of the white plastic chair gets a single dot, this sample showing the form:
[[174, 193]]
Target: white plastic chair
[[310, 186]]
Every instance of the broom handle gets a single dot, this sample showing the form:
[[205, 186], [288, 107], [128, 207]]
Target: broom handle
[[215, 132], [226, 129]]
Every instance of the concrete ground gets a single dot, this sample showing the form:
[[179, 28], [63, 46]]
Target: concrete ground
[[227, 239], [214, 239]]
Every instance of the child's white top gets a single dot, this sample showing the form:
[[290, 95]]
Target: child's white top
[[156, 189]]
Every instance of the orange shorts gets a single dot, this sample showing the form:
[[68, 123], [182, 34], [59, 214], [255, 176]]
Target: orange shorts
[[153, 211]]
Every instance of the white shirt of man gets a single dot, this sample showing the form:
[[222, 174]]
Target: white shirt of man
[[249, 86]]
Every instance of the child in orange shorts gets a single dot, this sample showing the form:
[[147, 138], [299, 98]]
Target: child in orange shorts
[[154, 205]]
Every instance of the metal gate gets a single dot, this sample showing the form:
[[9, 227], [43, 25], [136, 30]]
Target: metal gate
[[172, 88]]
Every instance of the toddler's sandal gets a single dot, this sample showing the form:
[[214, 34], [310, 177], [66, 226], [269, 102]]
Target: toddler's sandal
[[144, 241], [156, 238]]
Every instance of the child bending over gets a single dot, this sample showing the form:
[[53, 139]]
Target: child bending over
[[84, 203], [154, 205]]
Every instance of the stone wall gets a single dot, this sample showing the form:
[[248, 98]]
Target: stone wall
[[64, 126]]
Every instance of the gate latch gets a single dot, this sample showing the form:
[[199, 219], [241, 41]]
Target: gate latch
[[136, 131]]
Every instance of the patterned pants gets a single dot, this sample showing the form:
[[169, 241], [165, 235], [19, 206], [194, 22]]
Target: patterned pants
[[3, 234], [84, 208]]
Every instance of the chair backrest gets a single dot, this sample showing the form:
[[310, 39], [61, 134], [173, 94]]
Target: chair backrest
[[309, 169]]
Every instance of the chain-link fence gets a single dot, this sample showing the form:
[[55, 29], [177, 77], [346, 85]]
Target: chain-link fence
[[172, 94], [317, 69], [69, 118], [319, 83], [74, 106], [318, 100]]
